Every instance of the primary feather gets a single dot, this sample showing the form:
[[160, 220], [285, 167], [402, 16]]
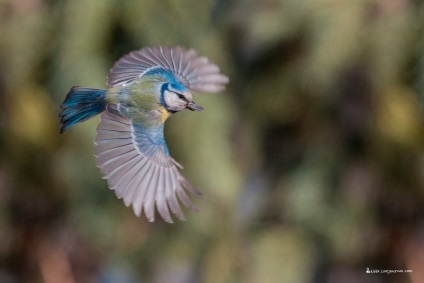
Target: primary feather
[[136, 163], [195, 72], [146, 87]]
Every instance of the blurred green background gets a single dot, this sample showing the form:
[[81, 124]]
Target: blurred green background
[[311, 162]]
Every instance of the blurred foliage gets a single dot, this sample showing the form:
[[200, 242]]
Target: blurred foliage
[[311, 163]]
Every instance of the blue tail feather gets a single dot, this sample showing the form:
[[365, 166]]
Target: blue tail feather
[[81, 104]]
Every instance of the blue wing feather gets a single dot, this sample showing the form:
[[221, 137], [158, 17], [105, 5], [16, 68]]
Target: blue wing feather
[[150, 140], [136, 162]]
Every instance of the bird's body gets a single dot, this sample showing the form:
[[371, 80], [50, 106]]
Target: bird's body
[[142, 101], [145, 88]]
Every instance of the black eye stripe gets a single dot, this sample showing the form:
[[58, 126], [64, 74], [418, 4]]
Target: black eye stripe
[[181, 96]]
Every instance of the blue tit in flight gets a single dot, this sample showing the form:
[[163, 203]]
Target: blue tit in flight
[[145, 88]]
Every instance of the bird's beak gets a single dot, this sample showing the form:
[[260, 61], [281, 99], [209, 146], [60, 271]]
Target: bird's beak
[[194, 107]]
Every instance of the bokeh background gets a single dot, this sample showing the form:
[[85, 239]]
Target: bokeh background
[[311, 162]]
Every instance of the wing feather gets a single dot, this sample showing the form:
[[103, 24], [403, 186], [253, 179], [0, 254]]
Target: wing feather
[[185, 200], [134, 184], [171, 59], [121, 149], [179, 53], [170, 194], [124, 183], [187, 66], [167, 61], [161, 197], [148, 199], [117, 174], [175, 206], [138, 198], [136, 164]]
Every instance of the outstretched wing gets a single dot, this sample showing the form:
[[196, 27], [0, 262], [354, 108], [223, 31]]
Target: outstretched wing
[[136, 163], [192, 70]]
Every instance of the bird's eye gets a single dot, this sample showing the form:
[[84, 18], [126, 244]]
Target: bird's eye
[[181, 96]]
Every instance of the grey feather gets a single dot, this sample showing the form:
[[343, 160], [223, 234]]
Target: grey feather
[[105, 147], [175, 207], [124, 184], [161, 197], [148, 196], [142, 182], [133, 186], [120, 172], [141, 188], [187, 66], [185, 200]]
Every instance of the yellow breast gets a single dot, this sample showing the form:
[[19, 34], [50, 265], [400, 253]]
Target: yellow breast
[[164, 114]]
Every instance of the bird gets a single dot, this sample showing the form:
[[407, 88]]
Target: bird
[[144, 88]]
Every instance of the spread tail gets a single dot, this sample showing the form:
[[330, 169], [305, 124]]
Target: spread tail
[[80, 104]]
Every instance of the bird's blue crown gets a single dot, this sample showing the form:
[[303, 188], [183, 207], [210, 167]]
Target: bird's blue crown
[[170, 82], [167, 77]]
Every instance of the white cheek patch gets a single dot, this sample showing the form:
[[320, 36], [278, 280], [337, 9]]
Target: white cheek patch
[[173, 101]]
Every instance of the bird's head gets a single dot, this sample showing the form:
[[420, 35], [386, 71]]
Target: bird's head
[[165, 77], [176, 97]]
